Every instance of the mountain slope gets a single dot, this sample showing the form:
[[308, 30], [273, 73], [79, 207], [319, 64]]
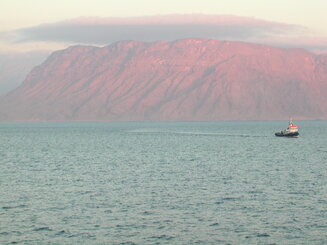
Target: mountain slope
[[191, 79]]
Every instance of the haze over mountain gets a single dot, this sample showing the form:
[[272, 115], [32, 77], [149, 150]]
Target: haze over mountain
[[15, 66], [189, 79]]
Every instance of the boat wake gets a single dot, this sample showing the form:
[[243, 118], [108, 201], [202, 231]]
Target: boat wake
[[148, 131]]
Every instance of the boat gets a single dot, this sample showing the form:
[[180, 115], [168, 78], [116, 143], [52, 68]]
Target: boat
[[291, 131]]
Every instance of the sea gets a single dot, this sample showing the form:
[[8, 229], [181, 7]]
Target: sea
[[162, 183]]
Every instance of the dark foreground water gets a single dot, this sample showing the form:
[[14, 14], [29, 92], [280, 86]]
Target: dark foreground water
[[162, 183]]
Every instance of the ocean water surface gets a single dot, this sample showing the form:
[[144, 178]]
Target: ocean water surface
[[163, 183]]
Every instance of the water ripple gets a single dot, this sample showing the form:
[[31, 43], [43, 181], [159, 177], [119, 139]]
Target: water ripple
[[162, 183]]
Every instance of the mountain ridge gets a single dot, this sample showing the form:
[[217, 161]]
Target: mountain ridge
[[182, 80]]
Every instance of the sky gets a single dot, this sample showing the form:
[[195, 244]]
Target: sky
[[49, 25]]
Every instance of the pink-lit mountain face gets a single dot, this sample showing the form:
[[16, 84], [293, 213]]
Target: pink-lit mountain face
[[191, 79]]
